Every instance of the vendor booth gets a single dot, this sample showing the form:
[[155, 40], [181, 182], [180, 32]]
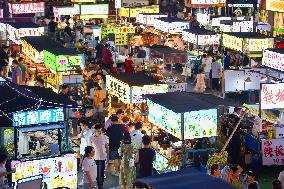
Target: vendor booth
[[33, 47], [130, 88], [36, 135], [66, 11], [180, 118], [62, 61], [15, 30]]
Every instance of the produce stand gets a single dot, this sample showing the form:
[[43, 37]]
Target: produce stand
[[36, 135], [186, 178], [62, 61]]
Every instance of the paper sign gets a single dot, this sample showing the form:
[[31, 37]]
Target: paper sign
[[273, 60], [273, 152], [125, 30], [121, 39], [272, 96], [26, 8], [257, 45], [232, 42]]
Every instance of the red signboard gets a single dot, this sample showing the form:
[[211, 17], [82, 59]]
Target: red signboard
[[273, 152], [26, 8]]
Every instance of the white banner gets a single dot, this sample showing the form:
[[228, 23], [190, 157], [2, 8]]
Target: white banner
[[273, 60], [98, 9], [272, 96], [272, 152], [26, 8]]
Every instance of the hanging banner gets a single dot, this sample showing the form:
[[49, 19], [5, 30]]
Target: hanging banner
[[26, 8], [272, 96], [98, 9], [232, 42], [125, 30], [273, 152], [257, 45]]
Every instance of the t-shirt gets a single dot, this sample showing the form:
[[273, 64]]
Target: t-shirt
[[3, 56], [68, 30], [99, 49], [216, 70], [52, 26], [90, 166], [15, 73], [3, 180], [85, 141], [146, 158], [115, 135], [141, 53], [136, 139], [23, 69], [99, 143]]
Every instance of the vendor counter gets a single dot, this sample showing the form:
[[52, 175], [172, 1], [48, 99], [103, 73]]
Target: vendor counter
[[57, 171]]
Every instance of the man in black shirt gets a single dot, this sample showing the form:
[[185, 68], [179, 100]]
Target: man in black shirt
[[115, 134], [141, 53], [99, 50], [52, 25], [4, 61]]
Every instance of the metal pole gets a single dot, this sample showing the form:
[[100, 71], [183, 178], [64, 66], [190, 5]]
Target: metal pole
[[182, 130]]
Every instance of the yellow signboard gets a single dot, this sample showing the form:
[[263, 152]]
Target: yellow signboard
[[275, 5], [125, 30], [121, 39], [232, 42], [133, 12]]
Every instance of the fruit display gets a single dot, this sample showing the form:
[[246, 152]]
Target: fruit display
[[220, 158], [176, 160]]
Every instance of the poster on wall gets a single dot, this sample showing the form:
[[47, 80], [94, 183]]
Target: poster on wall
[[26, 8], [118, 88], [272, 152], [164, 118], [273, 60], [200, 124], [272, 96], [57, 171]]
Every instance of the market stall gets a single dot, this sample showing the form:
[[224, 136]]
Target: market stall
[[36, 135], [33, 47], [184, 117], [14, 31], [66, 11], [130, 88], [62, 61]]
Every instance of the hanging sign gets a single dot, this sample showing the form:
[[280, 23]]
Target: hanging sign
[[97, 9], [232, 42], [72, 10], [118, 88], [16, 34], [38, 117], [26, 8], [1, 13], [117, 4], [273, 60], [273, 152], [125, 30], [275, 5], [257, 45], [121, 39], [272, 96], [139, 91]]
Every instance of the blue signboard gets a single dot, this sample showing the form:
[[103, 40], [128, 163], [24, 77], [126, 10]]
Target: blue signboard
[[38, 117]]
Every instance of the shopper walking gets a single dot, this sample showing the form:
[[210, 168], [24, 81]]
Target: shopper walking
[[127, 168], [16, 73], [200, 82], [115, 134], [23, 70], [216, 75], [136, 136], [85, 136], [145, 158], [107, 57], [100, 143], [4, 61], [128, 65], [52, 26], [98, 100], [89, 168]]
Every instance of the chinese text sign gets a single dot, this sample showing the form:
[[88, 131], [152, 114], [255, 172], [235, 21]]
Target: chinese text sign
[[26, 8], [272, 96], [118, 88], [273, 60], [272, 152], [38, 117]]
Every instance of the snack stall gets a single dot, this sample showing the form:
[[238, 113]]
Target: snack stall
[[61, 62], [33, 47], [184, 117], [14, 31], [36, 136]]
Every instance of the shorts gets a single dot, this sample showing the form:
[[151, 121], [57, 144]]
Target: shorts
[[113, 155]]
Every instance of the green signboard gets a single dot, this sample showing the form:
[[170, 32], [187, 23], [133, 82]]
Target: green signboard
[[60, 63]]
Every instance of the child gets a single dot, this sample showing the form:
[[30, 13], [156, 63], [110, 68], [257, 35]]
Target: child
[[89, 169], [200, 82]]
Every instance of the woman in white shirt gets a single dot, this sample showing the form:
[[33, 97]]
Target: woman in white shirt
[[89, 168]]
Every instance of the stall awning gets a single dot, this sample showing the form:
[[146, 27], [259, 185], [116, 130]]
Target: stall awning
[[137, 79], [200, 31], [164, 49], [187, 178], [19, 25], [41, 43], [63, 51], [181, 102]]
